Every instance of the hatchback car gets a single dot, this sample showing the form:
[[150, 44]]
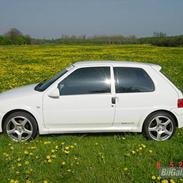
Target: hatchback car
[[95, 96]]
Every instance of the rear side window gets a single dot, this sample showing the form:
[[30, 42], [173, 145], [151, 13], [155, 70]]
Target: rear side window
[[131, 80], [89, 80]]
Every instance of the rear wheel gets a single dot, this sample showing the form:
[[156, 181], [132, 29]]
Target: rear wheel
[[159, 126], [20, 126]]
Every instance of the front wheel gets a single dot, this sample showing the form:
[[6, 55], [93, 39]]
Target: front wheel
[[20, 126], [159, 126]]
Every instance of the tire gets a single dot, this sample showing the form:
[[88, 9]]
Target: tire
[[159, 126], [20, 126]]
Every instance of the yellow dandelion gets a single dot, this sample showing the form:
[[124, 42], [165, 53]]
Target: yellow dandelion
[[172, 181], [164, 181], [12, 181], [19, 164], [125, 169], [26, 162], [49, 161], [27, 181], [66, 148], [48, 157], [63, 163], [47, 142], [153, 177], [26, 152], [66, 152], [52, 150], [53, 156], [150, 151], [45, 181]]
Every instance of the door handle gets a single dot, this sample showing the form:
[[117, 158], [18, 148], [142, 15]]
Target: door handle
[[113, 100]]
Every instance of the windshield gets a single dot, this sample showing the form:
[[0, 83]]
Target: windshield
[[46, 83]]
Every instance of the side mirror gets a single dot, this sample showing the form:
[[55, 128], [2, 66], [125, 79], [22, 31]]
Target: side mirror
[[54, 93]]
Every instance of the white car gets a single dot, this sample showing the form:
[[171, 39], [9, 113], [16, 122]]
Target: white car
[[95, 96]]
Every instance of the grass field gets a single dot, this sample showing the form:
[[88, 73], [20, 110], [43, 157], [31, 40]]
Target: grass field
[[85, 158]]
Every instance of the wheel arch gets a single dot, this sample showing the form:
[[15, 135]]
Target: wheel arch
[[17, 110], [161, 110]]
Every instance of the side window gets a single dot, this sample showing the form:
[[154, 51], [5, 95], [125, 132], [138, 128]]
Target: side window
[[88, 80], [130, 80]]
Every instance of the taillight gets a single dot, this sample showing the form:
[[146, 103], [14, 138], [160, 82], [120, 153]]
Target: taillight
[[180, 103]]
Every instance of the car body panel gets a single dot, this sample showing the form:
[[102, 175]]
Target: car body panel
[[23, 98], [94, 113]]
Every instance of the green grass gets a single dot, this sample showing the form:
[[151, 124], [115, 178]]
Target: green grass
[[110, 157]]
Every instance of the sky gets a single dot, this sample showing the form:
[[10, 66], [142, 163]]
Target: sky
[[53, 18]]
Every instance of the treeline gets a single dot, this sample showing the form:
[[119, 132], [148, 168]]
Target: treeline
[[104, 39], [15, 37], [168, 41]]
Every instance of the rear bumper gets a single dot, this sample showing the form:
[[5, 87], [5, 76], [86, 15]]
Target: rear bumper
[[178, 112], [1, 117]]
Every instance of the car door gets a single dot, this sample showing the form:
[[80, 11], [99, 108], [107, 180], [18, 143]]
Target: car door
[[84, 102], [134, 95]]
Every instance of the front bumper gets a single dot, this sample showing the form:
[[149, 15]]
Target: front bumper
[[178, 112]]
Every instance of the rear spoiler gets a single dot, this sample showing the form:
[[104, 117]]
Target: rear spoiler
[[156, 67]]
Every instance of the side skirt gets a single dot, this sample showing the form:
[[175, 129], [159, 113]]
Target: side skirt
[[96, 130]]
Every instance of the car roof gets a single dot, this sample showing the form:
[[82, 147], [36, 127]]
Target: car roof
[[115, 63]]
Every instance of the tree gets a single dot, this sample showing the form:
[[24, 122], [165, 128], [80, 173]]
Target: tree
[[14, 36], [4, 40]]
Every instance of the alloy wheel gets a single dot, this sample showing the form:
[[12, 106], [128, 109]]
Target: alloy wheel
[[19, 128], [161, 128]]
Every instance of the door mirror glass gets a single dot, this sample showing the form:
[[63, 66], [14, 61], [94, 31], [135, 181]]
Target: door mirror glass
[[54, 93]]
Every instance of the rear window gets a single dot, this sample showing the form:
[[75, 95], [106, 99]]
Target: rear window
[[131, 80]]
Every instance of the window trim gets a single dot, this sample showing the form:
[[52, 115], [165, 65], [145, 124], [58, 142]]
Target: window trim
[[76, 68], [154, 86]]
